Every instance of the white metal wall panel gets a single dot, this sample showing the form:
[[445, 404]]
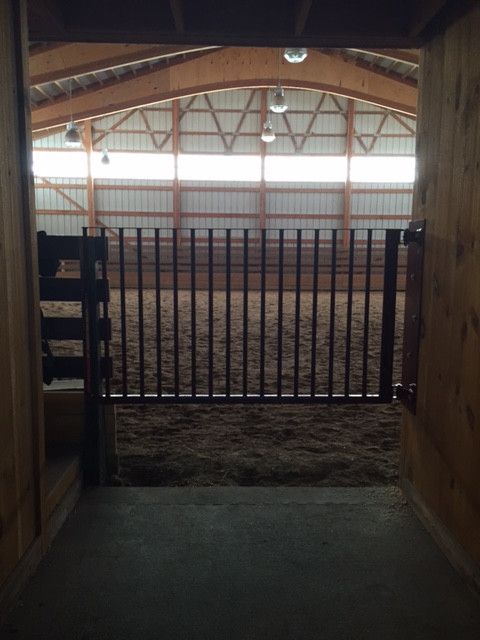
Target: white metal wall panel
[[133, 221], [65, 194], [201, 225], [393, 138], [140, 199], [304, 203], [55, 141], [61, 224], [218, 202], [236, 99], [201, 144], [381, 203]]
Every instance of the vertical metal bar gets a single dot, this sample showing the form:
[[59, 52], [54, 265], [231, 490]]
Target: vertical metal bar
[[245, 312], [366, 315], [313, 368], [210, 313], [348, 340], [193, 306], [95, 451], [263, 261], [106, 341], [333, 284], [392, 239], [158, 313], [298, 288], [176, 369], [280, 314], [141, 339], [123, 312], [228, 313]]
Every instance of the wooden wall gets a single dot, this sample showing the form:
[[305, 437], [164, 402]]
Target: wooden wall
[[21, 447], [441, 445]]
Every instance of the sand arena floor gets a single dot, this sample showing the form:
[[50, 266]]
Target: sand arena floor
[[350, 445]]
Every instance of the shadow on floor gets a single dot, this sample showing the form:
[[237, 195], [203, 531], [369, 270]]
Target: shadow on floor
[[244, 563]]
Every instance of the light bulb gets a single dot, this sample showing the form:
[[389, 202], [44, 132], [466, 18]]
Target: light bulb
[[105, 159], [278, 104], [72, 136], [295, 54], [268, 134]]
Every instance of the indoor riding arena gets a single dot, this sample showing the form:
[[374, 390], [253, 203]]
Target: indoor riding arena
[[305, 263], [239, 311]]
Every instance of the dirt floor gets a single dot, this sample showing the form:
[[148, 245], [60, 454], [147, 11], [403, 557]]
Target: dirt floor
[[350, 445]]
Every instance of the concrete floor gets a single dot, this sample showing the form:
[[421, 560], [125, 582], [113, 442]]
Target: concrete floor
[[241, 563]]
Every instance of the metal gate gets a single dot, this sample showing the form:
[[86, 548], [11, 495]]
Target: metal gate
[[241, 316]]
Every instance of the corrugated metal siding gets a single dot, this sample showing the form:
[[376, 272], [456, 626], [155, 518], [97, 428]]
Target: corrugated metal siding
[[62, 225], [328, 204], [376, 134], [133, 134], [144, 198], [219, 203], [54, 141]]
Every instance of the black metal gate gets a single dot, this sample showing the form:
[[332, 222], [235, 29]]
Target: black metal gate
[[242, 316]]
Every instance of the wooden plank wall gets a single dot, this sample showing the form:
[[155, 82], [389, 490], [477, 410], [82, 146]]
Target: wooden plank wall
[[441, 445], [21, 409]]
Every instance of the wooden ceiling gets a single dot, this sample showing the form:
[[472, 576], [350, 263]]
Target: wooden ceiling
[[85, 81], [320, 23]]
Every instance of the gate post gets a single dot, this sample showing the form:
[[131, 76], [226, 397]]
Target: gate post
[[413, 238], [392, 240], [94, 426]]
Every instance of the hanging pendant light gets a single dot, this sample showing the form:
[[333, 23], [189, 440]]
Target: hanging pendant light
[[295, 54], [268, 134], [278, 104], [105, 159], [73, 139]]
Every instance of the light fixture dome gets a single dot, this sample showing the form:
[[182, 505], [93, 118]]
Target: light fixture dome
[[295, 54], [105, 159], [72, 136], [268, 134], [278, 104]]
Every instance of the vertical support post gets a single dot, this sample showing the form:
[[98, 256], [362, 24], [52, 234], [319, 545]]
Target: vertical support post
[[392, 240], [262, 193], [95, 449], [347, 199], [92, 219], [177, 204]]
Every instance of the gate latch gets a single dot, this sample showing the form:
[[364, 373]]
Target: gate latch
[[407, 394]]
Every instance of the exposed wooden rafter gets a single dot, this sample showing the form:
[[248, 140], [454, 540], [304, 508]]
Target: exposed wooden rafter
[[227, 69], [48, 64]]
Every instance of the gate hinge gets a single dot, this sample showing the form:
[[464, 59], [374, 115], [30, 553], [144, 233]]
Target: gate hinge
[[415, 235], [407, 394]]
